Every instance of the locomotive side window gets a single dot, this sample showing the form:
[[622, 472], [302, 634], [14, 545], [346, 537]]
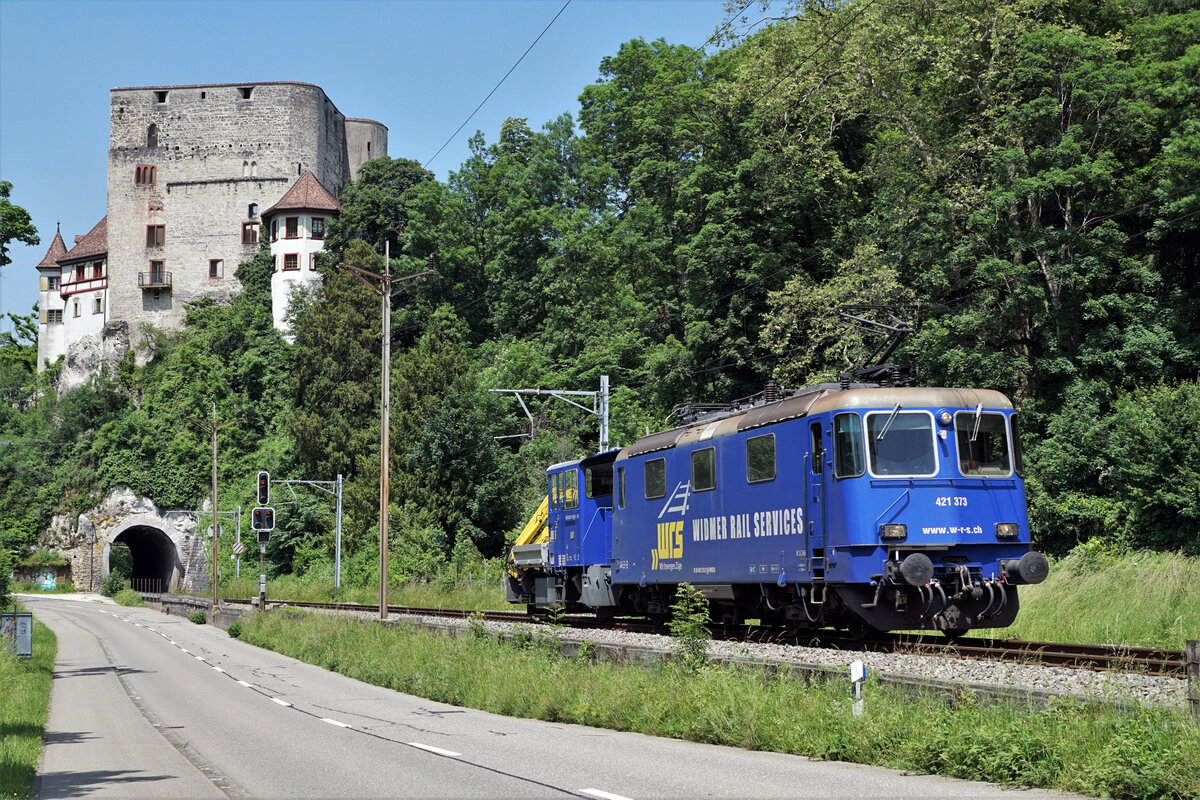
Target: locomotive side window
[[848, 446], [982, 444], [760, 459], [1018, 459], [598, 481], [620, 487], [571, 489], [555, 491], [901, 443], [818, 451], [656, 479], [704, 469]]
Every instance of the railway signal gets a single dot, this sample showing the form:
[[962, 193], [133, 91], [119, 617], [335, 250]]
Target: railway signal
[[264, 488], [262, 519]]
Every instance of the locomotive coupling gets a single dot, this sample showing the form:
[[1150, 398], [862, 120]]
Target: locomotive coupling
[[1032, 568], [915, 570]]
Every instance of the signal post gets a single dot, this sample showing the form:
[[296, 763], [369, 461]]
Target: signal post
[[262, 520]]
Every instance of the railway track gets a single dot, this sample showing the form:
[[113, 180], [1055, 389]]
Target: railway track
[[1114, 658]]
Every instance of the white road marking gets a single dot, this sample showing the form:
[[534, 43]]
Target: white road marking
[[335, 722], [243, 683], [182, 649], [200, 658], [218, 669], [431, 749], [283, 703], [603, 795]]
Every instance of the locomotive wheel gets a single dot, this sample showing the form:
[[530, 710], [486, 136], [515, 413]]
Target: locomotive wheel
[[954, 634]]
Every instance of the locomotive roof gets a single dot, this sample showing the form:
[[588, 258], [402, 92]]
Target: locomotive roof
[[814, 400]]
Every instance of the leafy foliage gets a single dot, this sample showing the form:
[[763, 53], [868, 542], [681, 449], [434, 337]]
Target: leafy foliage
[[1019, 179]]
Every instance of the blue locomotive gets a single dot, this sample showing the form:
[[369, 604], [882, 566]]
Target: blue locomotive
[[858, 506]]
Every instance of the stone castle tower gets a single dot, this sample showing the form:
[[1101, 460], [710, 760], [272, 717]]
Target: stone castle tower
[[190, 170]]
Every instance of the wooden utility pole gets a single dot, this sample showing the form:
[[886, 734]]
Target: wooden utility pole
[[384, 289]]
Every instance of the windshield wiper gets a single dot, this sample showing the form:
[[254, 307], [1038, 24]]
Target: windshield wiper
[[978, 419], [887, 425]]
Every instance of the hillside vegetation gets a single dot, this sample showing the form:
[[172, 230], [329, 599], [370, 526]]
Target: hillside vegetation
[[1021, 180]]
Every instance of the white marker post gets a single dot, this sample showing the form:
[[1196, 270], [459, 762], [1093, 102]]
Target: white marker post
[[858, 673]]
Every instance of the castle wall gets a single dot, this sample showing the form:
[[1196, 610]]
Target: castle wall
[[365, 139], [216, 154]]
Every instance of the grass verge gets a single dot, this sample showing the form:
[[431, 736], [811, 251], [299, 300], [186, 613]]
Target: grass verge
[[24, 706], [420, 594], [1071, 746], [128, 597], [1141, 599]]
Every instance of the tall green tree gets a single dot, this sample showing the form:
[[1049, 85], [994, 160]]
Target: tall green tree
[[15, 224]]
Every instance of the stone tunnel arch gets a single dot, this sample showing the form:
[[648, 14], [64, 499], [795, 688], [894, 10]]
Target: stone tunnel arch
[[157, 564]]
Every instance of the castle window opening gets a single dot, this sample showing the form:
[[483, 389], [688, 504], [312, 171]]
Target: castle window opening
[[216, 269], [253, 169], [274, 230], [55, 282], [368, 148], [249, 233], [97, 305], [144, 174], [292, 228], [203, 95], [156, 235], [76, 308], [152, 135], [299, 170], [54, 316], [97, 270], [160, 96], [245, 169], [318, 227], [245, 91], [291, 261], [252, 210], [158, 272]]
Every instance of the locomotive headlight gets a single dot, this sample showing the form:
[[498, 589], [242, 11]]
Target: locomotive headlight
[[1007, 530], [893, 531], [945, 417]]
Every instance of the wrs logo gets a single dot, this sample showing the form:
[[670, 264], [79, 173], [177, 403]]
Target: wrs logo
[[670, 534]]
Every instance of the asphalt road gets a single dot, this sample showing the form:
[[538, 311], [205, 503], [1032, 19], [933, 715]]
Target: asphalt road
[[149, 705]]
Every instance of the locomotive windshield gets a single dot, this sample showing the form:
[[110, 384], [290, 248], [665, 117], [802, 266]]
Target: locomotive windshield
[[982, 444], [906, 445]]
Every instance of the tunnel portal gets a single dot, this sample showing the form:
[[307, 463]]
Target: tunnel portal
[[156, 562]]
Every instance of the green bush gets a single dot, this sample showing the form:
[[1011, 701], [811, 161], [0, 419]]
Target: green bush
[[128, 597], [114, 583], [198, 617], [689, 627], [235, 629], [5, 576]]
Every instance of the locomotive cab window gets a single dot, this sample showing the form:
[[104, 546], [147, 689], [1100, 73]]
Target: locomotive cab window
[[818, 449], [598, 481], [620, 487], [982, 444], [901, 443], [848, 446], [704, 469], [656, 478], [555, 492], [760, 459], [571, 488]]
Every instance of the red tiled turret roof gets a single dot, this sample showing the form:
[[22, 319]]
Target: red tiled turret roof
[[306, 194], [57, 250], [94, 244]]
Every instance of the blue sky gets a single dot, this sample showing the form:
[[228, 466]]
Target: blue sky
[[418, 67]]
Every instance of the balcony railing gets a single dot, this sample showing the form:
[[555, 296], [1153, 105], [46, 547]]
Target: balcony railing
[[154, 280]]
